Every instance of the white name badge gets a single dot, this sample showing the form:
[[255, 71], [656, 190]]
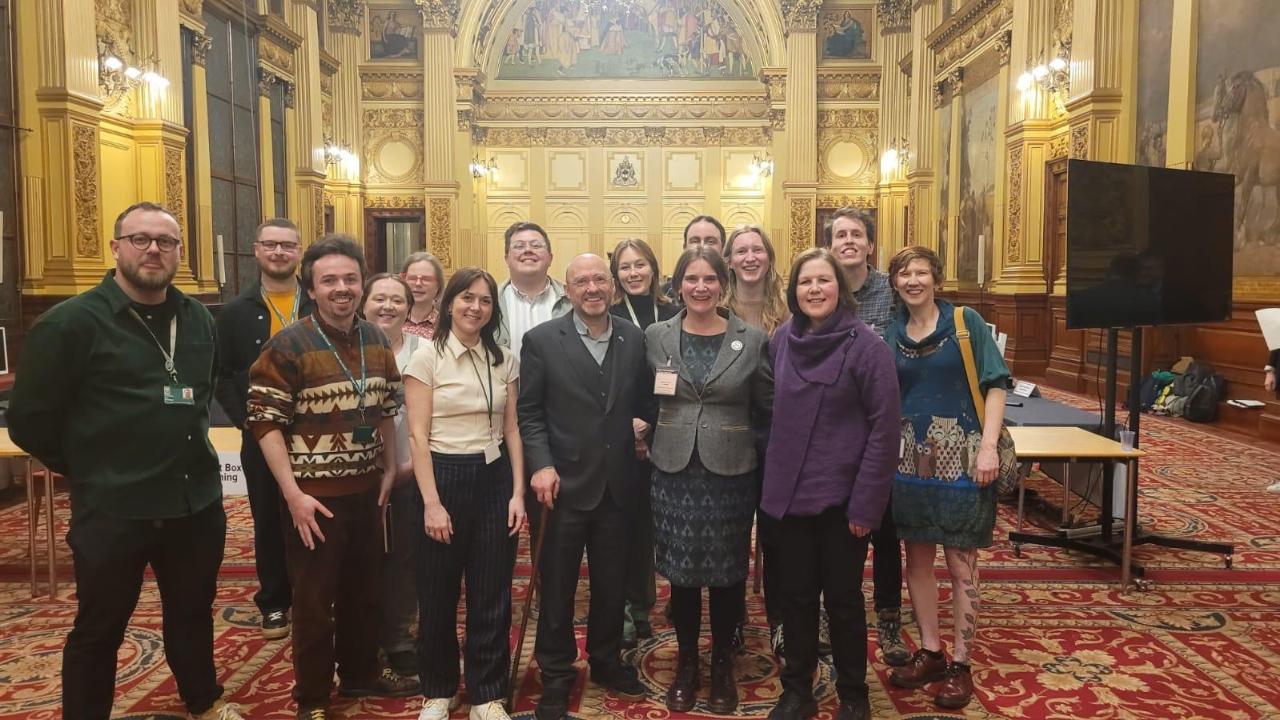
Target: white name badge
[[664, 382], [491, 452]]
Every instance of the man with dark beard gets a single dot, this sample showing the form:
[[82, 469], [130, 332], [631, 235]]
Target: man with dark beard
[[113, 391], [244, 326]]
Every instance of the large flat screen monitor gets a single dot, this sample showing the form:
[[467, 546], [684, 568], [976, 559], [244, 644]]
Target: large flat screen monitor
[[1147, 246]]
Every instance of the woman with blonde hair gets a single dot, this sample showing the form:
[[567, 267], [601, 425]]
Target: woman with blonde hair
[[755, 288]]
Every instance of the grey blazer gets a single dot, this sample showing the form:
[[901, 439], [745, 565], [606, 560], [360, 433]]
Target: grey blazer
[[734, 408]]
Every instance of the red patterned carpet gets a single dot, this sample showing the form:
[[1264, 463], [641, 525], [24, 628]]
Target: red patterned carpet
[[1057, 640]]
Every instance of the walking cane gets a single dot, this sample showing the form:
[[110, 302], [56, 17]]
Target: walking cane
[[528, 601]]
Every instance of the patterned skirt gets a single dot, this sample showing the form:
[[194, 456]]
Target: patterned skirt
[[702, 525]]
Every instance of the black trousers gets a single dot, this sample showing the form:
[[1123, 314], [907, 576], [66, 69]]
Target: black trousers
[[641, 591], [602, 531], [726, 611], [476, 496], [886, 563], [110, 555], [823, 559], [274, 593], [766, 538]]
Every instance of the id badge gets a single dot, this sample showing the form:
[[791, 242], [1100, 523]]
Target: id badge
[[179, 395], [362, 434], [492, 452], [664, 382]]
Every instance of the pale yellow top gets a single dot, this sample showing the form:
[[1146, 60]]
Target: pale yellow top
[[459, 379]]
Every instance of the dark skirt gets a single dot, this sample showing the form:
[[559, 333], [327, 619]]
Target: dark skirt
[[702, 525]]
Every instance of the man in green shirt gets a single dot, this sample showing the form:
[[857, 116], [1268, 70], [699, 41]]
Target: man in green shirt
[[113, 392]]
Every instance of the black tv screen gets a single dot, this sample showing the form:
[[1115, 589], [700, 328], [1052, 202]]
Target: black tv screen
[[1147, 245]]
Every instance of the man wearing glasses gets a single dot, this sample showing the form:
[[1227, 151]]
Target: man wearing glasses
[[113, 391], [244, 326], [530, 297]]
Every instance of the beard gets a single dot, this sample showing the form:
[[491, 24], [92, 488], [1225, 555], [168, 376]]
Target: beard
[[149, 280], [289, 272]]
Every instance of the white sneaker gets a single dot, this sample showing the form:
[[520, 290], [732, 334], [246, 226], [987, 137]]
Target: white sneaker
[[435, 709], [1274, 487], [492, 710]]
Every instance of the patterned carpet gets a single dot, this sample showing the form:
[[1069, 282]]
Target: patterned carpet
[[1057, 640]]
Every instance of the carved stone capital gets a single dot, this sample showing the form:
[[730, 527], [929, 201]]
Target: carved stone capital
[[801, 15], [465, 120], [290, 94], [775, 84], [439, 15], [895, 16], [714, 135], [266, 82], [1004, 46], [200, 46], [956, 79], [346, 16], [939, 93], [778, 119]]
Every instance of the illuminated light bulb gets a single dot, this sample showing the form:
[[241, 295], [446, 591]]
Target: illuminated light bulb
[[1024, 81], [1058, 64], [132, 73], [1039, 71], [112, 63]]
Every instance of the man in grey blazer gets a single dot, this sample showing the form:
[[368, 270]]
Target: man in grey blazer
[[583, 377]]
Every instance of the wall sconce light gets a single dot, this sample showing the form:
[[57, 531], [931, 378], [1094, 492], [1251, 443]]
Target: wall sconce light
[[116, 74], [483, 169], [1053, 76], [335, 154], [896, 157], [762, 167]]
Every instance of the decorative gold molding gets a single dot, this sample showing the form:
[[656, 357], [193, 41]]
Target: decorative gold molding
[[345, 16], [939, 93], [440, 229], [848, 85], [175, 191], [775, 84], [317, 199], [621, 137], [894, 16], [470, 84], [913, 212], [1080, 142], [800, 15], [1013, 246], [274, 56], [290, 95], [956, 80], [1063, 20], [778, 119], [193, 9], [326, 85], [84, 153], [968, 28], [800, 233], [604, 108], [1004, 47], [466, 119], [839, 200], [390, 85], [439, 15], [330, 199], [200, 46], [866, 139], [396, 202], [848, 118], [328, 66], [266, 82], [392, 118]]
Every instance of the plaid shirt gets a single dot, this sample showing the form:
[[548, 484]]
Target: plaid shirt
[[875, 301]]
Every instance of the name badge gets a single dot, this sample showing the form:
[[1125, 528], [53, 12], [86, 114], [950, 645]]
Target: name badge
[[492, 452], [179, 395], [362, 434], [664, 382]]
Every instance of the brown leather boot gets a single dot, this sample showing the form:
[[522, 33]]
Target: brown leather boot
[[683, 692], [723, 699], [925, 667], [956, 689]]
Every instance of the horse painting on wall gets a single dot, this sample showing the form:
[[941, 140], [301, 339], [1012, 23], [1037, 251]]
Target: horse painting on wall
[[1237, 121]]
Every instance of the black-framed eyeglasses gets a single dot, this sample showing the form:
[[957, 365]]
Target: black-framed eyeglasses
[[273, 245], [142, 241]]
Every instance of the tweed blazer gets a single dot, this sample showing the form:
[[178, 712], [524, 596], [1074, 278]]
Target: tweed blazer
[[727, 420]]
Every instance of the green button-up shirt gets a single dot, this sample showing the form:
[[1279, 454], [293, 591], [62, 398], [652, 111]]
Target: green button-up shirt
[[88, 401]]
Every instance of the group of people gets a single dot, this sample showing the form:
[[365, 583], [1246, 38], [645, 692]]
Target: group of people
[[411, 426]]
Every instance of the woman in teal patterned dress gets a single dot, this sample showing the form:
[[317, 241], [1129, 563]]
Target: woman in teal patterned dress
[[943, 491]]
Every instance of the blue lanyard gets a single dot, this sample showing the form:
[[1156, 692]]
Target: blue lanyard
[[359, 386]]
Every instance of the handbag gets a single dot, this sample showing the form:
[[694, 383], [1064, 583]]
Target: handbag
[[1007, 476]]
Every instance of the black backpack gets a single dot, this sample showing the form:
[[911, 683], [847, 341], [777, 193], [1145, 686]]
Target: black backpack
[[1205, 389]]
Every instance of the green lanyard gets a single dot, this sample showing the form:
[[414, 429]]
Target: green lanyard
[[359, 386], [488, 397], [297, 298]]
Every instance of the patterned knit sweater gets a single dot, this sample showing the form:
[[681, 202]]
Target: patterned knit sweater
[[297, 386]]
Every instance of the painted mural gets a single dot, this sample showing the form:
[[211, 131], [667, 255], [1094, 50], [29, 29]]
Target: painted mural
[[977, 156], [394, 33], [1237, 120], [846, 34], [557, 39], [1155, 38], [944, 178]]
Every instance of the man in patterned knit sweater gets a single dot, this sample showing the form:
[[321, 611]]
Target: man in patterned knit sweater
[[322, 405]]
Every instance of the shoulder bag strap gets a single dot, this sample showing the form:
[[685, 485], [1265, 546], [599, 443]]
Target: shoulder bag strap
[[970, 367]]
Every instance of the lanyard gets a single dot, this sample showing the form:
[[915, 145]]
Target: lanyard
[[632, 311], [359, 386], [488, 398], [173, 342], [297, 298]]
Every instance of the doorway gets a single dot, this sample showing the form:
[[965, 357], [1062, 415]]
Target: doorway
[[393, 235]]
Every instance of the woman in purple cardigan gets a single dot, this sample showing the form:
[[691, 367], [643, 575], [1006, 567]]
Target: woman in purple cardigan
[[828, 470]]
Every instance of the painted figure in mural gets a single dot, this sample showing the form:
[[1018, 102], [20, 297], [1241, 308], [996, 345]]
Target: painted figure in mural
[[511, 52], [397, 38], [531, 51], [1250, 145], [847, 42], [615, 40]]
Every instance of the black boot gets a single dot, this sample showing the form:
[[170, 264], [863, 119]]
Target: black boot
[[683, 692], [723, 699]]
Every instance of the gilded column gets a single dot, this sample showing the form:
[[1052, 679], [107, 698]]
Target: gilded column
[[266, 148], [923, 145], [895, 43], [306, 201], [439, 123], [800, 186], [1102, 55], [778, 211], [200, 222], [344, 177], [468, 142]]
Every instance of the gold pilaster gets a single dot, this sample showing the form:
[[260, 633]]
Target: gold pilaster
[[895, 43], [800, 187], [1102, 57], [343, 183], [266, 146], [200, 220], [924, 149], [439, 128]]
